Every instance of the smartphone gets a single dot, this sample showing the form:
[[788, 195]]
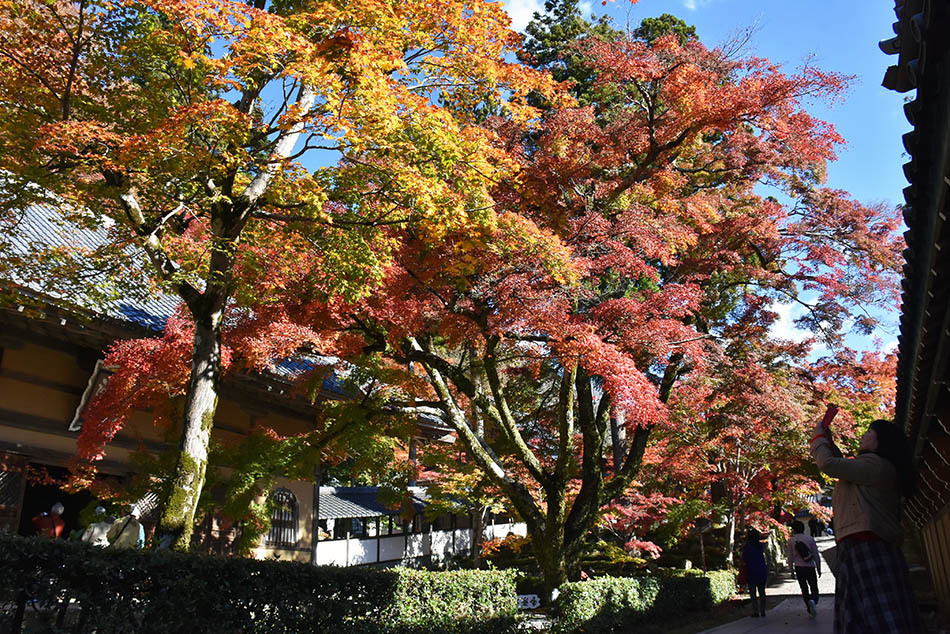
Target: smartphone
[[830, 414]]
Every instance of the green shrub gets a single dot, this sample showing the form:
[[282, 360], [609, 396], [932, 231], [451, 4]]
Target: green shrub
[[722, 585], [68, 586], [453, 601], [607, 604]]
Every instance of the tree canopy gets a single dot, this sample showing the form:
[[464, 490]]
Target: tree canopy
[[580, 286], [625, 292], [203, 133]]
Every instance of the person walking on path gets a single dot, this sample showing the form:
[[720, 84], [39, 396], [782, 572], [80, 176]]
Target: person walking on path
[[757, 572], [96, 533], [50, 524], [803, 558], [873, 591], [127, 532]]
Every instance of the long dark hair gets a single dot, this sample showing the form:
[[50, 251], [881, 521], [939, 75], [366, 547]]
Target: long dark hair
[[892, 445]]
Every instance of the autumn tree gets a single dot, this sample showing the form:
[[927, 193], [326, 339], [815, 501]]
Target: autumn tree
[[631, 239], [202, 134], [862, 384], [741, 441]]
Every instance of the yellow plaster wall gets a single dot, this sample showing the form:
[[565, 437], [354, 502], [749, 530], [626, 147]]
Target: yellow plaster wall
[[304, 494], [29, 440], [230, 415], [39, 400], [55, 365], [285, 425]]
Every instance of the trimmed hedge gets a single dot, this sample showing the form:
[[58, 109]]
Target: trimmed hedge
[[608, 604], [453, 601], [722, 585], [58, 586]]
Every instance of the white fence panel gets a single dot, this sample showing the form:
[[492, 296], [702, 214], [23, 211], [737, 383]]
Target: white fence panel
[[331, 553], [391, 548], [500, 531], [417, 546], [441, 545], [362, 551], [463, 541]]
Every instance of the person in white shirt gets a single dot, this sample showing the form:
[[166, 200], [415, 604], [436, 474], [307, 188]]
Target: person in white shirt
[[804, 559], [96, 532]]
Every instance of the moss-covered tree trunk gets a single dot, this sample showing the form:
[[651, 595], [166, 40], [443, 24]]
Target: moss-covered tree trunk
[[178, 513], [552, 560]]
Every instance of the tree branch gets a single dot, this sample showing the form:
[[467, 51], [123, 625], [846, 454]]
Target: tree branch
[[478, 448], [565, 415], [152, 243], [282, 149], [507, 421]]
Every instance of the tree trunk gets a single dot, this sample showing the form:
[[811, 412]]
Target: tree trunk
[[553, 563], [730, 535], [178, 514], [702, 551], [478, 532], [618, 439]]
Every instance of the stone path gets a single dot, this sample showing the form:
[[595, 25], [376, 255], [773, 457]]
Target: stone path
[[790, 616]]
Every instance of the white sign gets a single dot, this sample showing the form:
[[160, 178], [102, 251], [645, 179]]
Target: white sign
[[528, 601]]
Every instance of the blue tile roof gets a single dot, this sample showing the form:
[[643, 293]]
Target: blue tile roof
[[344, 502], [41, 228]]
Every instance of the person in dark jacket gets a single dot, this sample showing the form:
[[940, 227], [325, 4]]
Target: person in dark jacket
[[753, 556]]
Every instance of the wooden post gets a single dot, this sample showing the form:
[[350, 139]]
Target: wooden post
[[315, 513]]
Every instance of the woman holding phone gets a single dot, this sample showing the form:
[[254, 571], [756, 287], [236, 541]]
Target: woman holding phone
[[872, 591]]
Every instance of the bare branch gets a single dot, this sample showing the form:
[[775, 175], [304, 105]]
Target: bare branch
[[282, 149], [152, 244], [507, 422]]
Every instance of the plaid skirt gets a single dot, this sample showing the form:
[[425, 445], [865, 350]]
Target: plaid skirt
[[873, 591]]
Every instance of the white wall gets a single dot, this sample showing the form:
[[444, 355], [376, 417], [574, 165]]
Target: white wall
[[500, 531], [437, 544]]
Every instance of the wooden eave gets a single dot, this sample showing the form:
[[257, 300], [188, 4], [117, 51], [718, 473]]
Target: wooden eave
[[923, 400], [73, 329]]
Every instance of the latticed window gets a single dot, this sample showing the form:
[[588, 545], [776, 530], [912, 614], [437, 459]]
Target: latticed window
[[283, 519]]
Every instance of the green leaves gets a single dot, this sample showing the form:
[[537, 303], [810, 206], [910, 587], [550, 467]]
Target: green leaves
[[609, 604]]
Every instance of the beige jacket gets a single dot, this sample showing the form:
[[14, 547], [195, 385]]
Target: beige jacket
[[866, 497], [96, 534], [124, 533]]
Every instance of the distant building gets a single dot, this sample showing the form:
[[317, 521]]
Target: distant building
[[51, 364]]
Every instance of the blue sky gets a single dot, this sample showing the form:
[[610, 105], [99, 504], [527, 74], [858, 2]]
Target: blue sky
[[838, 35]]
